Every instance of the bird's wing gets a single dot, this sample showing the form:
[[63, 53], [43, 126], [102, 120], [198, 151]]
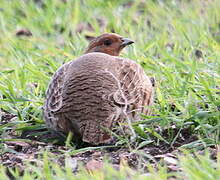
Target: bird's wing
[[136, 87], [55, 89]]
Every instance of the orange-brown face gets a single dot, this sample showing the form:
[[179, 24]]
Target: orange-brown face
[[108, 43]]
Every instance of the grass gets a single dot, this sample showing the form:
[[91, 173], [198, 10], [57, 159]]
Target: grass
[[192, 167], [177, 42]]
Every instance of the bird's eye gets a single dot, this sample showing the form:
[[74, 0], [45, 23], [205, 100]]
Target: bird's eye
[[107, 42]]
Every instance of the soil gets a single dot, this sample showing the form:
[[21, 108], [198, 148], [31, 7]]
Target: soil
[[26, 148]]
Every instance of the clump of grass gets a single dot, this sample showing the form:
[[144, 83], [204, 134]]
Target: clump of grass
[[191, 166]]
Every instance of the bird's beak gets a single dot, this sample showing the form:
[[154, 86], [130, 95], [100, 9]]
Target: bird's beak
[[126, 42]]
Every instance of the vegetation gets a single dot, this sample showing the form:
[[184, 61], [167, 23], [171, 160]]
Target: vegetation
[[176, 42]]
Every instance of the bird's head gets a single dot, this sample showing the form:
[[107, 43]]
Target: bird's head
[[109, 43]]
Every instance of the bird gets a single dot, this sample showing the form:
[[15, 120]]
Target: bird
[[91, 95]]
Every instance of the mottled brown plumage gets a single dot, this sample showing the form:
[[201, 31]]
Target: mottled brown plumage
[[90, 95]]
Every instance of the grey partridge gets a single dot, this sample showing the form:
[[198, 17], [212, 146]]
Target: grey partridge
[[93, 93]]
